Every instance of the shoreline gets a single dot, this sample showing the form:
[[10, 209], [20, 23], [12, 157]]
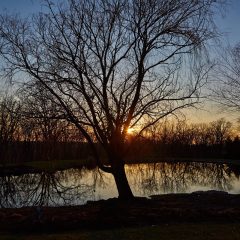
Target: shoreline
[[196, 207], [51, 167]]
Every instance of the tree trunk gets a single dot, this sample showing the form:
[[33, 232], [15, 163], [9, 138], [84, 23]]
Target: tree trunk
[[124, 190]]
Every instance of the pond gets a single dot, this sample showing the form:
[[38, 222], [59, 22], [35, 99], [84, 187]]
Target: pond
[[77, 186]]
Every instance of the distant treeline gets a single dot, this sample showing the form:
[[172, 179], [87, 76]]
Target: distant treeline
[[217, 139], [27, 138]]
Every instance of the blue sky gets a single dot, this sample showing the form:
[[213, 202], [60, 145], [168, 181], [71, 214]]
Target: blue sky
[[229, 25], [23, 6]]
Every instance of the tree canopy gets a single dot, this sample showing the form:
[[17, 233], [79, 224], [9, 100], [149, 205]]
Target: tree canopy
[[111, 65]]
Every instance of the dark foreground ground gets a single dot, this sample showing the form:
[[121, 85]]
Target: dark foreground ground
[[200, 215], [180, 231]]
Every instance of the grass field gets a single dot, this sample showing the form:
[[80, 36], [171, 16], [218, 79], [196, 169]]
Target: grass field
[[203, 231], [90, 163], [50, 165]]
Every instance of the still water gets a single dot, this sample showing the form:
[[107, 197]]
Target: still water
[[77, 186]]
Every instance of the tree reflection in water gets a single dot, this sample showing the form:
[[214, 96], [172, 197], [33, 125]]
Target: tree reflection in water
[[181, 177], [46, 189], [76, 186]]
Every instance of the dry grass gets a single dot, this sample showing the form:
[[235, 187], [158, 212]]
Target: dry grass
[[198, 231]]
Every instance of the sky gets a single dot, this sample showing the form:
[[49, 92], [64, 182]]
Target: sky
[[227, 24], [22, 6]]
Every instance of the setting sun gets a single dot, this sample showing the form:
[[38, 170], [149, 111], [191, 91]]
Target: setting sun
[[131, 131]]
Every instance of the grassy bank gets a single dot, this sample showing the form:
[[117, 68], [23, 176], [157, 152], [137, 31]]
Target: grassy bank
[[54, 165], [48, 166], [199, 231]]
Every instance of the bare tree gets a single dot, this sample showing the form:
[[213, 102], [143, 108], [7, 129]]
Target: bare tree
[[111, 65], [227, 87], [10, 116], [42, 116], [220, 131]]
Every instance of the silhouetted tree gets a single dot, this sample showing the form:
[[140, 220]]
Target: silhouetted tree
[[220, 130], [10, 116], [227, 89], [111, 65]]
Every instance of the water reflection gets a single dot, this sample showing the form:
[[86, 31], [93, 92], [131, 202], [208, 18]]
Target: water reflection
[[181, 177], [76, 186], [46, 189]]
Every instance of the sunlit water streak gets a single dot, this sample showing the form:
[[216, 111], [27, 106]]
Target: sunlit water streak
[[77, 186]]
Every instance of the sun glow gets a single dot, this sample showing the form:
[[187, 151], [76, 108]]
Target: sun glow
[[131, 131]]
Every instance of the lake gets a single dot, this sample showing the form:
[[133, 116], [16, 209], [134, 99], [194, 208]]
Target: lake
[[77, 186]]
